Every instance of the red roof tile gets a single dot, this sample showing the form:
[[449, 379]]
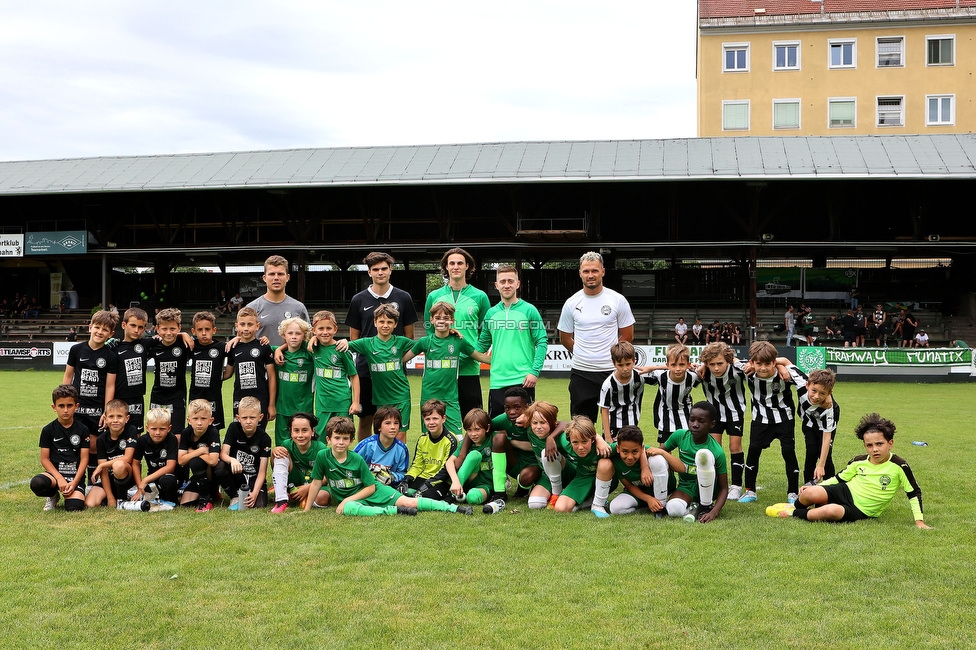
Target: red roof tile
[[746, 8]]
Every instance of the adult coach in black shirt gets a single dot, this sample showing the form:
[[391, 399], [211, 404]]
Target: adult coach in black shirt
[[379, 267]]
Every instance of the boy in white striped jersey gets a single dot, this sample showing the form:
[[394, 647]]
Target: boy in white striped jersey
[[772, 419], [672, 404], [724, 382], [622, 392]]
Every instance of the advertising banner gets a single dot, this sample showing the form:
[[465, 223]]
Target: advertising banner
[[11, 245], [900, 356], [26, 355], [63, 242]]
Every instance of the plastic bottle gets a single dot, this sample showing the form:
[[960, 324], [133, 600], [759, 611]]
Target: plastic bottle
[[691, 516], [919, 443], [242, 495]]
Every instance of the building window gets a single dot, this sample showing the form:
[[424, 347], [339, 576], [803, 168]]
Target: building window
[[891, 111], [843, 54], [735, 115], [786, 113], [786, 56], [940, 50], [940, 110], [735, 57], [842, 112], [891, 52]]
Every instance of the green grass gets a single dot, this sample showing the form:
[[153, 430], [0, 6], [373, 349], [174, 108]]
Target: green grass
[[525, 580]]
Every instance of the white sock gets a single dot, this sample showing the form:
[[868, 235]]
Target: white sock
[[554, 470], [623, 504], [705, 464], [659, 470], [538, 503], [677, 508], [602, 491], [279, 477]]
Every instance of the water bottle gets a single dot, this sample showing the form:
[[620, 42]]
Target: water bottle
[[691, 515], [133, 505], [919, 443], [242, 494]]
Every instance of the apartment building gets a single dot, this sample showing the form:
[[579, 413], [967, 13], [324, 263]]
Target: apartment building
[[836, 67]]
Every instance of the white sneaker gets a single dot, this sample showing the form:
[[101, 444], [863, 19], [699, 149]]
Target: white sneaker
[[51, 502], [734, 493], [791, 498], [748, 497]]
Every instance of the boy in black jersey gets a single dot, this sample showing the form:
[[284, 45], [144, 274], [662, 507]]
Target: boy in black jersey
[[64, 454], [171, 354], [91, 369], [116, 445], [199, 453], [252, 365], [207, 369], [244, 457], [160, 449], [133, 352]]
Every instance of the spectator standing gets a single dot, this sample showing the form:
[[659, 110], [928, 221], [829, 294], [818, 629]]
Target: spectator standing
[[591, 322], [790, 322]]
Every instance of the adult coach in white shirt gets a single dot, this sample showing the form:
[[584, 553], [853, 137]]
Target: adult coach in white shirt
[[592, 320], [275, 305]]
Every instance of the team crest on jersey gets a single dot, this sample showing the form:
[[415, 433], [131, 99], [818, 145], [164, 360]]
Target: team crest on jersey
[[885, 482], [471, 311], [605, 310], [162, 453], [349, 474], [177, 352], [254, 449], [214, 353], [138, 348], [287, 314], [75, 440], [334, 358], [393, 349], [121, 444], [255, 352], [299, 362], [450, 348], [395, 304], [101, 363]]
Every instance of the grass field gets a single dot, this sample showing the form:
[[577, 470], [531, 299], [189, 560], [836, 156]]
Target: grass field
[[516, 580]]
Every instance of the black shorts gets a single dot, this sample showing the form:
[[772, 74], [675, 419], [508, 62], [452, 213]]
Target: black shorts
[[839, 494], [366, 394], [762, 435], [584, 392], [731, 428], [469, 393]]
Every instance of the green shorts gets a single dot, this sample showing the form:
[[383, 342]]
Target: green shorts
[[580, 488], [569, 473], [384, 496], [523, 459], [325, 416]]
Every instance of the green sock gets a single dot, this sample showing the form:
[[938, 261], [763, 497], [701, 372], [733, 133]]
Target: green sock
[[476, 496], [426, 505], [470, 467], [499, 467], [360, 509]]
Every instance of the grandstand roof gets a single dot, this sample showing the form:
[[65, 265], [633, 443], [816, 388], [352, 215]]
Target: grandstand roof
[[765, 158], [748, 8]]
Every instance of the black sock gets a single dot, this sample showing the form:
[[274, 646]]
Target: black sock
[[800, 513], [738, 461]]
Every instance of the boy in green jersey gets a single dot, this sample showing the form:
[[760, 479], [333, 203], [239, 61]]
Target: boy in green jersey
[[867, 485], [433, 450], [291, 463], [542, 422], [578, 444], [704, 466], [345, 478], [294, 375], [470, 475], [645, 480], [384, 356], [443, 351], [336, 378]]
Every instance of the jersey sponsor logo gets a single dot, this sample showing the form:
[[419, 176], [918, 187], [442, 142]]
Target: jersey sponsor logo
[[255, 352], [214, 353], [101, 362]]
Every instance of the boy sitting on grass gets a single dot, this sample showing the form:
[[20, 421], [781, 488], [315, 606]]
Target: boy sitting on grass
[[432, 451], [116, 446], [628, 463], [347, 481], [864, 488], [64, 454], [386, 455]]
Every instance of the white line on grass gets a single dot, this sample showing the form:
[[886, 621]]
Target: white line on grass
[[7, 486]]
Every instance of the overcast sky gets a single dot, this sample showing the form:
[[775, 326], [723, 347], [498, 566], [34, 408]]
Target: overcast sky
[[116, 78]]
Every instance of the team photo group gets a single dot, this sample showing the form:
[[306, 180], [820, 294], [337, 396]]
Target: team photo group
[[321, 422]]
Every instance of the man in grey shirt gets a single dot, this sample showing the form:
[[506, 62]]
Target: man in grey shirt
[[275, 305]]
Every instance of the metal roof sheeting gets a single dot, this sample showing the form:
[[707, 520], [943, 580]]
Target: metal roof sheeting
[[894, 156]]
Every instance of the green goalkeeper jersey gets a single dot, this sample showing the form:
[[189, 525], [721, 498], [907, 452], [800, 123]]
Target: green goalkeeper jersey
[[874, 486]]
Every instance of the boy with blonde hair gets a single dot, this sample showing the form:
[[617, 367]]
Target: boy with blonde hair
[[199, 453], [160, 449], [337, 385], [244, 455], [116, 446], [294, 375]]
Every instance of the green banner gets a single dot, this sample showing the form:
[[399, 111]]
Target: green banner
[[900, 356], [811, 357]]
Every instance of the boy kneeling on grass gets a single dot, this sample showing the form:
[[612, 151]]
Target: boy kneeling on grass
[[346, 478], [866, 486]]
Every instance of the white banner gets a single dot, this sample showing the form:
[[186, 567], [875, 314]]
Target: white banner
[[11, 245]]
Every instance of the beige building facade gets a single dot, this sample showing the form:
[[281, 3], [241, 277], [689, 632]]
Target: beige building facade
[[765, 68]]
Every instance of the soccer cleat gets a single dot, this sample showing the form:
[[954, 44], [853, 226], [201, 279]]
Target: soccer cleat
[[702, 510], [494, 506], [661, 514], [599, 512], [406, 510], [233, 504], [781, 510], [734, 493], [280, 507], [51, 502], [552, 502], [791, 498], [464, 510], [204, 506], [748, 497]]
